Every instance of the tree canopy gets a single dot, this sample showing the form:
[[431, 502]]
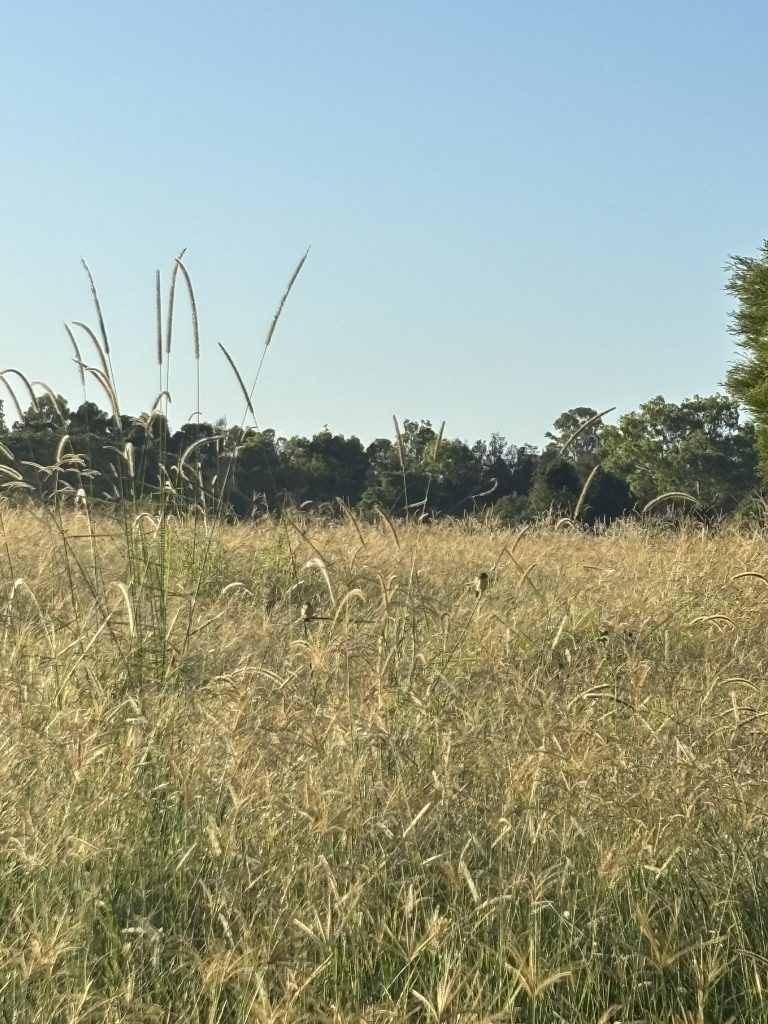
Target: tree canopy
[[747, 379], [701, 445]]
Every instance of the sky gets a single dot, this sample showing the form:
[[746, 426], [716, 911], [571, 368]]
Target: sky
[[513, 208]]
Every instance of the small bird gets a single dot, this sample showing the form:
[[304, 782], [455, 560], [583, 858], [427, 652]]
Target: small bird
[[481, 584], [307, 613]]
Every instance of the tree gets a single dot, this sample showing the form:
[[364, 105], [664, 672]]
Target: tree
[[511, 509], [37, 434], [556, 485], [382, 457], [608, 497], [46, 416], [436, 474], [584, 449], [35, 439], [400, 472], [94, 434], [419, 440], [699, 446], [258, 478], [511, 466], [326, 467], [562, 475], [455, 476], [89, 419], [747, 380], [523, 466]]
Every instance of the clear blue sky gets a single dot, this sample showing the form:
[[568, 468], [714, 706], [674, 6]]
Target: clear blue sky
[[513, 208]]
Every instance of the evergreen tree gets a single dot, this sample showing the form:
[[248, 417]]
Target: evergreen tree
[[747, 380]]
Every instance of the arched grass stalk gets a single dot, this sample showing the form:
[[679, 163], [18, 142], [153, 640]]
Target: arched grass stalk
[[241, 384], [584, 491], [318, 563], [97, 304], [52, 397], [27, 385], [669, 496], [97, 345], [169, 321], [78, 358], [584, 426], [195, 328], [14, 399]]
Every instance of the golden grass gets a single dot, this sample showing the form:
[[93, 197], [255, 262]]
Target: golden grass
[[547, 803]]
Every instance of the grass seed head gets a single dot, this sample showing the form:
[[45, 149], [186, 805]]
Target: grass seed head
[[481, 584]]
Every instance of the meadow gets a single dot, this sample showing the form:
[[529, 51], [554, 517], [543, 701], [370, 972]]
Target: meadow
[[300, 771]]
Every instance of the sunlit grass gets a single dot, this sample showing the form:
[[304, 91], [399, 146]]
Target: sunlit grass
[[545, 803]]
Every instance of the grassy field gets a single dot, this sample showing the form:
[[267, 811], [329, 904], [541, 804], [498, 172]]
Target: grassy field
[[290, 771]]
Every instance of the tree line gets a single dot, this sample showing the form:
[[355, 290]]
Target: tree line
[[702, 447]]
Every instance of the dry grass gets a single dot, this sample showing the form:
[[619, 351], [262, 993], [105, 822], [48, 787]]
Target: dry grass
[[544, 804]]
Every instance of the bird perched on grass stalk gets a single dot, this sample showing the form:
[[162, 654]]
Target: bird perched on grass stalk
[[307, 612], [481, 584]]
